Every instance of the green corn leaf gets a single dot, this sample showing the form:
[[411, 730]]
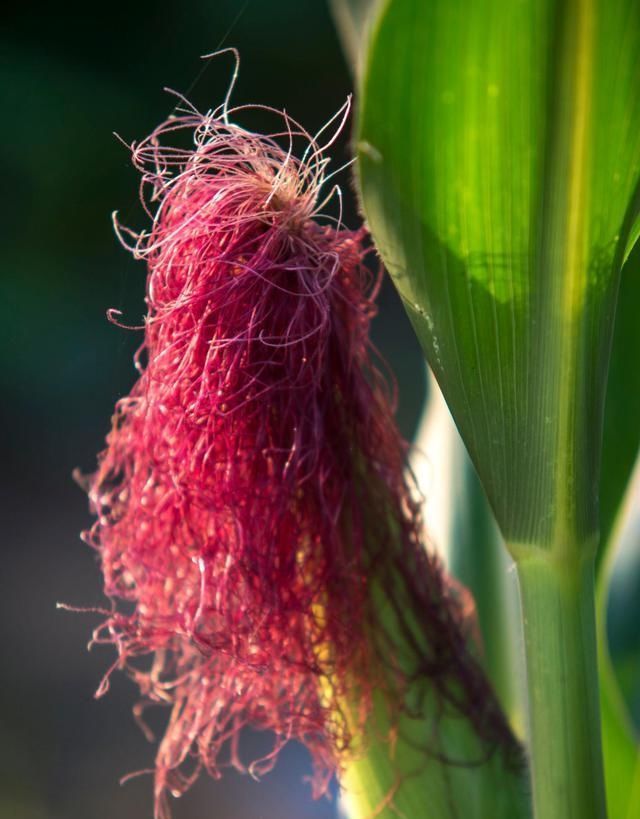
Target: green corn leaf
[[460, 525], [621, 742], [499, 157], [480, 562], [622, 427], [353, 20], [618, 606], [634, 235], [619, 501]]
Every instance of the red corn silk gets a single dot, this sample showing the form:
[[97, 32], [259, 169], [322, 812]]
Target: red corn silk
[[252, 491]]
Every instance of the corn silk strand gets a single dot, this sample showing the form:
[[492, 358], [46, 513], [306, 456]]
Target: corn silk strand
[[253, 494]]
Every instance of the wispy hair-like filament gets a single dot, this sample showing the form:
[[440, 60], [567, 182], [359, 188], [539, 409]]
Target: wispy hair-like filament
[[252, 502]]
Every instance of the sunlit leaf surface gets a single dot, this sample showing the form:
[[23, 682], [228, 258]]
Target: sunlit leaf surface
[[499, 148]]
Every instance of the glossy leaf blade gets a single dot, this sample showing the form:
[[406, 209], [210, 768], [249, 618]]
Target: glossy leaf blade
[[499, 156]]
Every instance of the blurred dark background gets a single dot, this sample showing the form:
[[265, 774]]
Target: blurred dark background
[[70, 76]]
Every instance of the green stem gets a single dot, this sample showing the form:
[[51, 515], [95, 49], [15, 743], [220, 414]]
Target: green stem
[[564, 720]]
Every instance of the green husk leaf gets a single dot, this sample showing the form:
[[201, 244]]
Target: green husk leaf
[[403, 781], [437, 766]]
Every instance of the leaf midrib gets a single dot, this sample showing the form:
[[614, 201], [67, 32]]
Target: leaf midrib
[[570, 127]]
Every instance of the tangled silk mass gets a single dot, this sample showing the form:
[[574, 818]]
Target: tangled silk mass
[[260, 544]]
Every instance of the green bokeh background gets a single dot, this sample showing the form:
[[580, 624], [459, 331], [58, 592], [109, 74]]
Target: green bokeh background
[[70, 75]]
